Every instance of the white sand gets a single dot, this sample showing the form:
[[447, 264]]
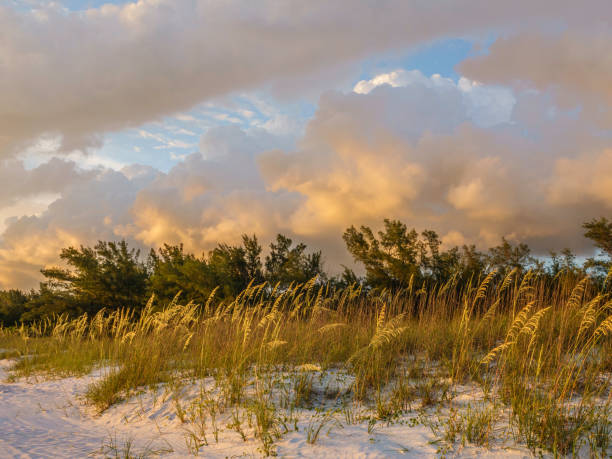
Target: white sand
[[41, 419]]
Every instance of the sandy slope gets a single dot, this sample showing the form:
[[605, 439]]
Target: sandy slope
[[40, 419]]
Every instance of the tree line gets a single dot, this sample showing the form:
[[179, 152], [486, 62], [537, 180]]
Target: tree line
[[112, 275]]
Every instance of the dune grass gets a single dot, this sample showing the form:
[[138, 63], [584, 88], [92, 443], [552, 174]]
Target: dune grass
[[540, 353]]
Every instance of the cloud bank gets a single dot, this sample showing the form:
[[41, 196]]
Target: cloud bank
[[80, 74]]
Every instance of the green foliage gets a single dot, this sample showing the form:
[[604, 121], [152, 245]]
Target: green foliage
[[287, 264], [230, 267], [565, 261], [390, 260], [397, 257], [346, 279], [234, 267], [12, 305], [506, 257], [111, 275], [173, 271], [472, 262], [600, 232], [47, 302]]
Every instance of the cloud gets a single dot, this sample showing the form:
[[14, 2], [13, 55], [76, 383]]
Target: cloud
[[213, 196], [414, 148], [94, 206], [381, 152], [18, 182], [201, 201], [137, 62], [414, 151], [232, 141], [485, 105], [583, 180], [574, 65]]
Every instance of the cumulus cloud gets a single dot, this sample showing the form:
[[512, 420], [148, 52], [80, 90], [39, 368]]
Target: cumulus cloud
[[374, 152], [414, 151], [485, 105], [214, 195], [575, 65], [96, 206], [585, 180], [206, 198], [18, 182]]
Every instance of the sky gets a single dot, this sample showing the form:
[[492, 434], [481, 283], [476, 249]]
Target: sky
[[194, 122]]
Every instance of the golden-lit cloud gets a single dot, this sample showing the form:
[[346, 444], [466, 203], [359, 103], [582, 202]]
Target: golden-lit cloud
[[416, 152], [92, 205], [583, 180]]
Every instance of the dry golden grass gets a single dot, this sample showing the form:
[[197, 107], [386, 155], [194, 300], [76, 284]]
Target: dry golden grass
[[546, 361]]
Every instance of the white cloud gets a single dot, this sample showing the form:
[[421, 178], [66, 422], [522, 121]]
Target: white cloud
[[487, 105], [396, 79], [175, 157], [184, 117], [164, 141]]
